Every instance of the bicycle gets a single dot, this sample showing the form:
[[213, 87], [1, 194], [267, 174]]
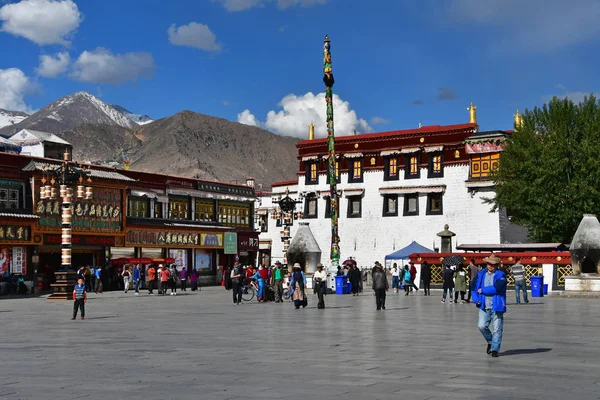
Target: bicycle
[[287, 293], [249, 291]]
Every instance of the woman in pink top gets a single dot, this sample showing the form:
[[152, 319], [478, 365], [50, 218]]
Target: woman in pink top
[[165, 274]]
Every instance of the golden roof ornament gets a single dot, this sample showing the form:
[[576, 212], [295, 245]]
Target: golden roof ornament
[[518, 120], [472, 113], [311, 131]]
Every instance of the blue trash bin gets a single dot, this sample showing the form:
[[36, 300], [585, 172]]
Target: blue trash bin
[[339, 284], [348, 288], [545, 289], [537, 286]]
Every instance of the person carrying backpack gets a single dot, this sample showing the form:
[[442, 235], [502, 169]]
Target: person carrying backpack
[[407, 278]]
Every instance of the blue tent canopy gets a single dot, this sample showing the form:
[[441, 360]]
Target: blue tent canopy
[[403, 254]]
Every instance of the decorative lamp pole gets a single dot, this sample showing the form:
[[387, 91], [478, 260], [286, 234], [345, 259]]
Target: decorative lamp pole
[[334, 205], [67, 176], [287, 206]]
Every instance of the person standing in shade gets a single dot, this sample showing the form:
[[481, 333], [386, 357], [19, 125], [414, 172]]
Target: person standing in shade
[[491, 301], [320, 285], [380, 285], [237, 275], [426, 278], [518, 272], [194, 280], [79, 298], [151, 278], [126, 277], [137, 279], [460, 284], [277, 282], [473, 270]]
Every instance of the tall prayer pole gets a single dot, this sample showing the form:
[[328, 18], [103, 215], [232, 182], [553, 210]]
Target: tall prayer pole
[[334, 205]]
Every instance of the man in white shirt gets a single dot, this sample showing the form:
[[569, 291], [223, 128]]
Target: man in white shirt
[[320, 284]]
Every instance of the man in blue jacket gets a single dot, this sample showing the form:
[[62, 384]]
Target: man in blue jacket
[[490, 298]]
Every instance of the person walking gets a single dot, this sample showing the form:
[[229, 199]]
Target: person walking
[[165, 275], [173, 279], [395, 278], [237, 275], [448, 284], [320, 285], [406, 278], [183, 276], [79, 298], [413, 276], [98, 283], [518, 273], [473, 270], [298, 283], [491, 301], [137, 279], [194, 280], [380, 285], [151, 278], [354, 278], [260, 295], [126, 277], [460, 284], [277, 282], [426, 278]]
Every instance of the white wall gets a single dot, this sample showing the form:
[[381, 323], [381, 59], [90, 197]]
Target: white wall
[[371, 237], [36, 150]]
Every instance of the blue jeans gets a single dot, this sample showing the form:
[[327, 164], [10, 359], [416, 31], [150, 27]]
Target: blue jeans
[[446, 292], [395, 282], [496, 320], [261, 290], [518, 287], [136, 286]]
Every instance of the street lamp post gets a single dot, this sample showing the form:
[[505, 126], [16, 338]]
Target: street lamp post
[[68, 177]]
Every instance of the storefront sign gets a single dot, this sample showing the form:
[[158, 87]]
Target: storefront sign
[[231, 243], [248, 241], [170, 238], [14, 233], [83, 240], [180, 257], [102, 213], [18, 263], [4, 260], [203, 260]]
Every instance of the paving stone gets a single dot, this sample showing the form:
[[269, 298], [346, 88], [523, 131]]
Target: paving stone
[[199, 345]]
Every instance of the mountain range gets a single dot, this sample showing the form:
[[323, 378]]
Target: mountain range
[[185, 144]]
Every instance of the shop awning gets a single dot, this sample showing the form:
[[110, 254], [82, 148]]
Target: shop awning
[[142, 260], [151, 195]]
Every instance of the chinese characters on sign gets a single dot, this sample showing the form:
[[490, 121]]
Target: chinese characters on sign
[[231, 243], [18, 263], [166, 238], [11, 233]]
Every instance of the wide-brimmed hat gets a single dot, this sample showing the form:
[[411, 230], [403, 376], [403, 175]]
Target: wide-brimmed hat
[[297, 266], [277, 262], [319, 265], [492, 259]]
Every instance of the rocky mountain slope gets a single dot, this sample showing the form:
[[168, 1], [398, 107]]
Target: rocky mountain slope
[[8, 118], [140, 119]]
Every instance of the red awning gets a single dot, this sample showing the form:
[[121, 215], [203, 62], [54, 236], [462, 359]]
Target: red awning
[[143, 260]]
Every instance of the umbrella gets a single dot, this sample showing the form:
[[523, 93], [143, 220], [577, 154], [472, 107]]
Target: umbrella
[[454, 259], [349, 261]]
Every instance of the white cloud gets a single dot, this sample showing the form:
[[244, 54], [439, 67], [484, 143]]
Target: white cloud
[[297, 112], [378, 121], [102, 66], [14, 85], [193, 35], [241, 5], [51, 67], [41, 21], [247, 118], [544, 25]]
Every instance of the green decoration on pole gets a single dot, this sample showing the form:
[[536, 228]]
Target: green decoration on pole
[[334, 204]]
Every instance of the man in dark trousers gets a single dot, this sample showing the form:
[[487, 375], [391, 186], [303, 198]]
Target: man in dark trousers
[[426, 278], [380, 285]]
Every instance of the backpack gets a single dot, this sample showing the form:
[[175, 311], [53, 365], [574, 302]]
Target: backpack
[[228, 282]]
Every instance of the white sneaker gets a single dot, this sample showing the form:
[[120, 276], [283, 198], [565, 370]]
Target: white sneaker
[[172, 293], [175, 294], [137, 294]]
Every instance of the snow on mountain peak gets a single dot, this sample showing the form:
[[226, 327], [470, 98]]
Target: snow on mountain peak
[[137, 118], [11, 117]]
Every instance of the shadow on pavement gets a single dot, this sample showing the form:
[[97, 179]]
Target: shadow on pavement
[[517, 352], [104, 317]]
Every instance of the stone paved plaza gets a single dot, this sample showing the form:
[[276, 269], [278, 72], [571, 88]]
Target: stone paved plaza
[[199, 345]]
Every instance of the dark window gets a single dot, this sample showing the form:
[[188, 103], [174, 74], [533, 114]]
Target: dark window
[[354, 206], [390, 205], [390, 172], [412, 169], [278, 221], [9, 198], [436, 166], [411, 204], [355, 172], [138, 207], [434, 204], [327, 207], [158, 210], [312, 173], [178, 208], [310, 207]]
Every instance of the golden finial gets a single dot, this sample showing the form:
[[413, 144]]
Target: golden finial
[[311, 131], [472, 113], [327, 38], [518, 120]]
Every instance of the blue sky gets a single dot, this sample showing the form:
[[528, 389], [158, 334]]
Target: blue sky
[[396, 63]]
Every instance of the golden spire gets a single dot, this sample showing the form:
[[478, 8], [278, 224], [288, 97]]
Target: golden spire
[[472, 113], [518, 120], [311, 131]]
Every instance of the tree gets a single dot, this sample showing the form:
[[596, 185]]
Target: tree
[[549, 172]]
